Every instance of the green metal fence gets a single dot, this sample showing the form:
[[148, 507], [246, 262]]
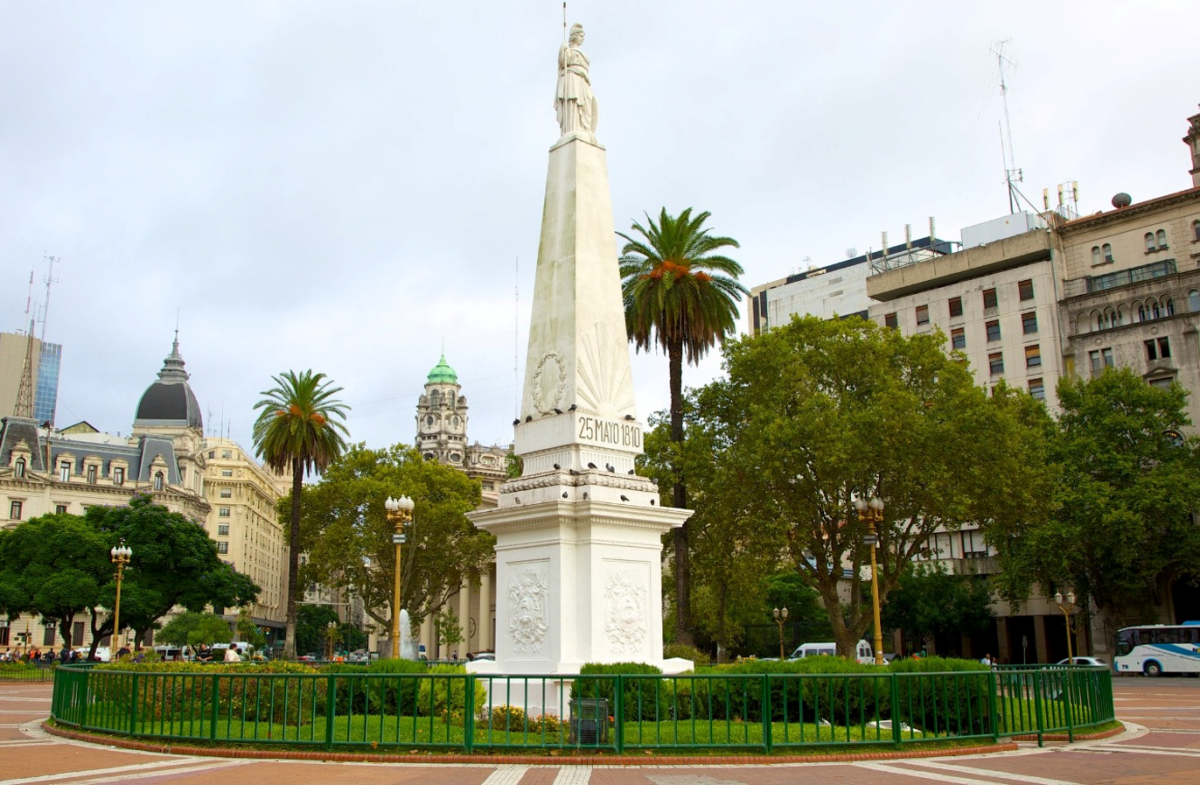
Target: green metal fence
[[466, 712]]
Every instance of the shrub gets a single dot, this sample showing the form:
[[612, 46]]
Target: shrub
[[641, 699], [800, 690], [506, 718], [954, 704], [444, 693]]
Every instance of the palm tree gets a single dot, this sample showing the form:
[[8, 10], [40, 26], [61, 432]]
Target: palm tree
[[296, 430], [682, 297]]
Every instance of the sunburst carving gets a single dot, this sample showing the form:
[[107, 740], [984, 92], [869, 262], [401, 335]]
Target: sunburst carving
[[604, 375]]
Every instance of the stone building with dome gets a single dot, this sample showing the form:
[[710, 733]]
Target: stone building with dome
[[45, 471], [442, 433]]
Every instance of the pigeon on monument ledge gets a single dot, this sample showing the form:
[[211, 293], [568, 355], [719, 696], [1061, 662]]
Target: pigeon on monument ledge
[[591, 465], [573, 472], [624, 498], [517, 421], [573, 408], [609, 466], [631, 471], [629, 417], [557, 410], [556, 466], [565, 495], [529, 418]]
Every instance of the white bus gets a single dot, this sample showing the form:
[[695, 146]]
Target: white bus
[[1155, 649]]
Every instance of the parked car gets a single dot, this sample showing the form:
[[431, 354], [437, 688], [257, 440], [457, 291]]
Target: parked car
[[1093, 661], [307, 658], [863, 653]]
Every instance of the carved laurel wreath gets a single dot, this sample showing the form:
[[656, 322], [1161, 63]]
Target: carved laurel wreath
[[560, 384]]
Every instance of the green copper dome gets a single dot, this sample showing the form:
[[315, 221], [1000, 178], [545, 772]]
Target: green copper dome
[[442, 373]]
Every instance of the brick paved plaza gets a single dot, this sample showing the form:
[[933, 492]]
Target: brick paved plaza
[[1163, 742]]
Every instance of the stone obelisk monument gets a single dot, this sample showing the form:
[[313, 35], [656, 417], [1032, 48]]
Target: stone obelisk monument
[[578, 535]]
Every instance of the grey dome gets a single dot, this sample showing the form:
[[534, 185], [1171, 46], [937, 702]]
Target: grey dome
[[170, 400]]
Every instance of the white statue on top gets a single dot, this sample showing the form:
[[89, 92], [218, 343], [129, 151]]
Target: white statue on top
[[573, 99]]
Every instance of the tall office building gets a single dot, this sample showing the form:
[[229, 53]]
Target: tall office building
[[46, 363]]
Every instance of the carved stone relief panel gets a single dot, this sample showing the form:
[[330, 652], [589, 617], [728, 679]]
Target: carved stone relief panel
[[528, 600], [626, 607]]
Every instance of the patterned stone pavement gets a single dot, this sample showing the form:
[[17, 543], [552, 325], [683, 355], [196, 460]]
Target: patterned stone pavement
[[1163, 742]]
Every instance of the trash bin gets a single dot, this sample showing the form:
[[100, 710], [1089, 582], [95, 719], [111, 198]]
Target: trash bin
[[589, 721]]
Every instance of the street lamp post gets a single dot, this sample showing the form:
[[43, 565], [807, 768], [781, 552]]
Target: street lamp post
[[329, 634], [399, 512], [1066, 609], [780, 615], [121, 554], [871, 511]]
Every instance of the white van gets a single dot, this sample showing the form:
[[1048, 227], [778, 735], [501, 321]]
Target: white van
[[863, 653]]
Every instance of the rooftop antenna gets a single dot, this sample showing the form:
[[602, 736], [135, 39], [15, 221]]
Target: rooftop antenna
[[517, 326], [50, 280], [1012, 174]]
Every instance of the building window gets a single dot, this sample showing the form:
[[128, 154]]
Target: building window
[[14, 511], [1025, 288], [996, 363], [1163, 383], [60, 509], [226, 453], [1096, 259], [1107, 250], [212, 454], [223, 528], [226, 493], [1029, 323], [227, 472], [91, 475], [1164, 348], [1162, 239], [955, 307], [922, 315], [993, 330], [48, 635], [223, 512], [1196, 231], [118, 473], [958, 338], [19, 466], [1170, 307], [890, 320], [223, 547], [158, 481], [1101, 359], [1033, 356], [64, 472], [989, 298], [1037, 389], [1151, 350], [1150, 247]]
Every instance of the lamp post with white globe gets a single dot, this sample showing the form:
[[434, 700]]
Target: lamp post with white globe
[[871, 511], [399, 512], [121, 553]]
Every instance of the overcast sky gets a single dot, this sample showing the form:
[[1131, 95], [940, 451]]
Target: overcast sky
[[345, 186]]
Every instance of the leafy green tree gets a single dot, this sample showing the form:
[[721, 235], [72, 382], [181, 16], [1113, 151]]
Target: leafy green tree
[[174, 563], [817, 413], [726, 559], [348, 538], [681, 296], [311, 623], [929, 602], [446, 624], [53, 566], [1121, 526], [192, 629], [249, 632], [298, 430]]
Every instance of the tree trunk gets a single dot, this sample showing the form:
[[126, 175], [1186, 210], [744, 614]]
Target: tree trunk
[[64, 627], [683, 597], [289, 642]]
